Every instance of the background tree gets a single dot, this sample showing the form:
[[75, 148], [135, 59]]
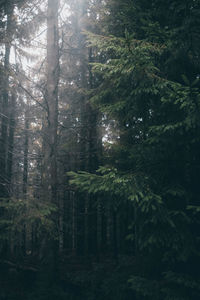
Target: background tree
[[114, 85]]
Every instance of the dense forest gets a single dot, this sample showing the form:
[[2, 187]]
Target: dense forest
[[99, 149]]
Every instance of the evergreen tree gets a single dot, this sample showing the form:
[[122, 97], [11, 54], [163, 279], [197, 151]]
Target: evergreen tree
[[150, 86], [89, 83]]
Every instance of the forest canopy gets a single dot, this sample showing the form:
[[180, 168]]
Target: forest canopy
[[99, 149]]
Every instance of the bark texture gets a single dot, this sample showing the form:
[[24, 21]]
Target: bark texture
[[51, 99]]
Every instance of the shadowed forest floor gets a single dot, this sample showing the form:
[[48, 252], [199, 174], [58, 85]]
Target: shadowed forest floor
[[77, 278]]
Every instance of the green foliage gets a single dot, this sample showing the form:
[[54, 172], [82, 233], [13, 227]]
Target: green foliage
[[143, 286], [129, 71], [18, 212], [150, 87], [106, 180], [171, 286]]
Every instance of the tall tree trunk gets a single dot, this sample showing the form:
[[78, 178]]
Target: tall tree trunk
[[49, 172], [51, 98], [26, 143], [12, 124], [82, 203], [4, 112], [25, 173], [4, 186]]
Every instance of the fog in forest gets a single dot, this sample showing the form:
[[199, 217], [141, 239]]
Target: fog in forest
[[99, 150]]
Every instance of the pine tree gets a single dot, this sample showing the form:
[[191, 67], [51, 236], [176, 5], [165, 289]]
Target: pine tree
[[150, 87]]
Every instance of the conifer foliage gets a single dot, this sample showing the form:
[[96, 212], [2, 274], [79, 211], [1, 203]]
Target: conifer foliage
[[150, 87], [99, 149]]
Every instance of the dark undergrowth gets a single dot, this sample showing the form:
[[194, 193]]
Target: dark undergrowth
[[74, 280]]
